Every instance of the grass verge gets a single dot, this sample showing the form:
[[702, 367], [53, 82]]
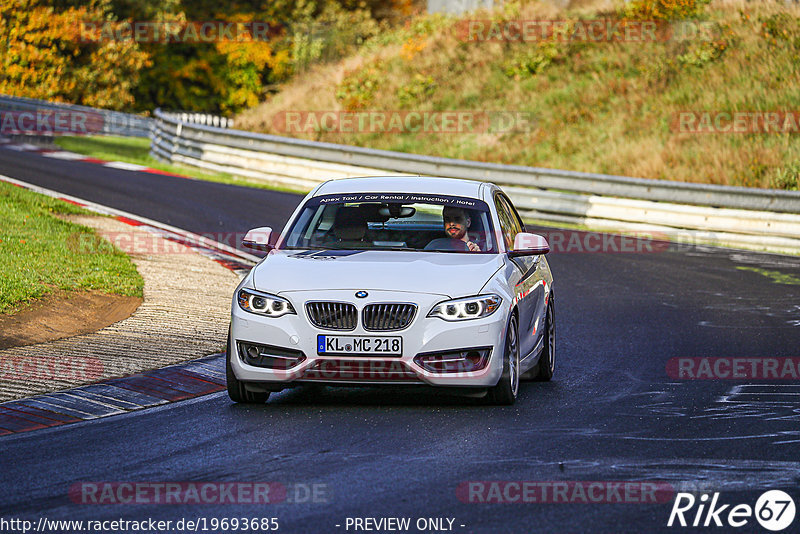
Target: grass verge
[[38, 252], [137, 150]]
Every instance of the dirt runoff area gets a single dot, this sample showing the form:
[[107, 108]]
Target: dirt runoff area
[[64, 314]]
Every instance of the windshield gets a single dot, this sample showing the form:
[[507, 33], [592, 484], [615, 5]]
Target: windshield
[[393, 221]]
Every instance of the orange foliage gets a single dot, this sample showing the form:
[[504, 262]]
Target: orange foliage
[[664, 9], [44, 58]]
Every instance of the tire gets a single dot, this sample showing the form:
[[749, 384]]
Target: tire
[[506, 390], [547, 362], [236, 390]]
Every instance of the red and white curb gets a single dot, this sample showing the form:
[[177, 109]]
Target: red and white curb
[[115, 396], [56, 153], [237, 261]]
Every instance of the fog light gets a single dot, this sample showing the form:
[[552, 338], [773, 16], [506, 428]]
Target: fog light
[[268, 356], [462, 361]]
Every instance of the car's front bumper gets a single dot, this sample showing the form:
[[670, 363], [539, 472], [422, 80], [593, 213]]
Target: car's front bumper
[[424, 335]]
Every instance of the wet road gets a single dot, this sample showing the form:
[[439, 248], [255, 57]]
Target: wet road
[[611, 413]]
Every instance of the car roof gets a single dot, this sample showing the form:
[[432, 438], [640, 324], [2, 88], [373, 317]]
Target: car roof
[[403, 184]]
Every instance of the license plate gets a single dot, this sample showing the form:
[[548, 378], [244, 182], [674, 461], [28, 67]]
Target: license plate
[[363, 345]]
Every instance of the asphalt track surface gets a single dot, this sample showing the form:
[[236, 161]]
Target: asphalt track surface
[[611, 412]]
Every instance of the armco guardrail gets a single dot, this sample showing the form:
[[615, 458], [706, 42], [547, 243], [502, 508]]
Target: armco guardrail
[[113, 122], [203, 118], [727, 215]]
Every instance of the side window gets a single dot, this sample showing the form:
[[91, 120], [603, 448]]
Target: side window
[[509, 220], [506, 222], [518, 225]]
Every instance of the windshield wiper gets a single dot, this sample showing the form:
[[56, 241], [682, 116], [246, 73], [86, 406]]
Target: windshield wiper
[[397, 248]]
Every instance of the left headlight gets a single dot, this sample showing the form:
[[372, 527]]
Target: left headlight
[[263, 303], [466, 308]]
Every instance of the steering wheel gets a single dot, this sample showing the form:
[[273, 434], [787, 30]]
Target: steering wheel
[[447, 244]]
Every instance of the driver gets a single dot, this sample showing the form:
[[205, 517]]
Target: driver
[[456, 223]]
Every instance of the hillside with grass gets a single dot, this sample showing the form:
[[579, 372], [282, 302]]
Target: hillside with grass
[[607, 106]]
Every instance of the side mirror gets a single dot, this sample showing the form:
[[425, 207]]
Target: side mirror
[[526, 244], [259, 239]]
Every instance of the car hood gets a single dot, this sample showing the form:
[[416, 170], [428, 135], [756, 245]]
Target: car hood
[[447, 274]]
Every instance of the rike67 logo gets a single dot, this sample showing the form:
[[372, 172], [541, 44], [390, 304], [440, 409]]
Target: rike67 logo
[[774, 510]]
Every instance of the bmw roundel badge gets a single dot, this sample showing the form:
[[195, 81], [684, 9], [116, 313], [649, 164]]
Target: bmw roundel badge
[[361, 294]]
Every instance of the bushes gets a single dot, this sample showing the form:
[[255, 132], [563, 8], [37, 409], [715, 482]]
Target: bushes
[[787, 177], [664, 9], [358, 87], [781, 29], [703, 52], [329, 36], [531, 60], [418, 89]]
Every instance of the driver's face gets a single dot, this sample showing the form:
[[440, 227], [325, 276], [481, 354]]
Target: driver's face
[[456, 222]]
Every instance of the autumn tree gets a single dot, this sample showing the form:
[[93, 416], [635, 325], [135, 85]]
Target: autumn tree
[[46, 53], [44, 57]]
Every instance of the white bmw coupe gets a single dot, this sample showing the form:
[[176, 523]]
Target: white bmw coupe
[[395, 280]]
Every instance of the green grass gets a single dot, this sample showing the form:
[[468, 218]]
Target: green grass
[[137, 150], [127, 149], [40, 253]]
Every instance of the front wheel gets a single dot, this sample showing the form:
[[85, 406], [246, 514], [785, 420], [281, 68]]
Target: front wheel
[[505, 392], [236, 389], [547, 362]]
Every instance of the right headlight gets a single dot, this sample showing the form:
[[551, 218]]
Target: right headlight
[[263, 303], [466, 308]]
